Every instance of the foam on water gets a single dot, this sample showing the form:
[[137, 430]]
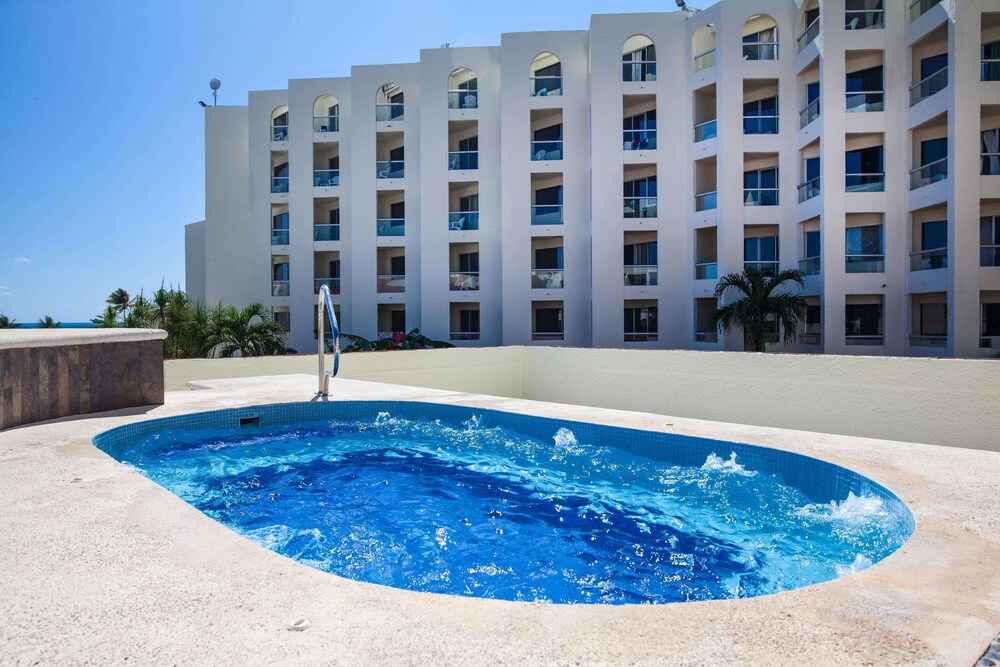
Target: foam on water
[[716, 463]]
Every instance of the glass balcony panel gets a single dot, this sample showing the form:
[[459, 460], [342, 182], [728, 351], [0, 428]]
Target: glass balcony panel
[[989, 255], [760, 125], [927, 260], [389, 169], [463, 99], [706, 201], [279, 237], [809, 114], [324, 124], [639, 70], [546, 86], [325, 232], [920, 340], [547, 215], [704, 60], [920, 7], [641, 337], [990, 70], [547, 335], [865, 264], [640, 275], [769, 269], [809, 189], [461, 160], [639, 140], [932, 85], [546, 150], [706, 271], [390, 284], [390, 227], [706, 130], [761, 197], [810, 266], [546, 279], [464, 280], [464, 335], [387, 112], [463, 221], [863, 340], [326, 178], [929, 173], [864, 19], [333, 284], [989, 164], [640, 207], [861, 102], [760, 51], [279, 288], [279, 184], [811, 33], [706, 337], [864, 182], [279, 133]]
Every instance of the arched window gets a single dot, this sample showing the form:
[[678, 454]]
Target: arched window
[[546, 75], [463, 89], [389, 103], [279, 124], [326, 114], [639, 59], [703, 47], [760, 38]]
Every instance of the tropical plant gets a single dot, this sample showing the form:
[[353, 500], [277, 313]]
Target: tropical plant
[[47, 322], [8, 322], [141, 314], [120, 301], [107, 319], [759, 304], [249, 331], [414, 340]]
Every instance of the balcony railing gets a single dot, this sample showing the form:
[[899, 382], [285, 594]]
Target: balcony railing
[[546, 279], [326, 178], [464, 335], [462, 160], [869, 100], [463, 99], [279, 184], [640, 337], [809, 189], [706, 271], [926, 260], [639, 207], [809, 114], [864, 340], [864, 264], [810, 266], [760, 197], [989, 164], [279, 288], [279, 237], [390, 227], [279, 133], [929, 173], [864, 182], [931, 85], [811, 33], [333, 284], [760, 125], [387, 112], [707, 130], [990, 70], [326, 232], [641, 275], [769, 269], [706, 201], [989, 255], [547, 215], [810, 338], [704, 60], [324, 124], [546, 86], [921, 340], [390, 284], [639, 140], [920, 7], [706, 336], [546, 150], [760, 51], [463, 221], [547, 335], [389, 169], [464, 280], [639, 70], [863, 19]]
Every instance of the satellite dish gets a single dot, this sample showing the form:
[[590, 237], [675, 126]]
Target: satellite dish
[[214, 84]]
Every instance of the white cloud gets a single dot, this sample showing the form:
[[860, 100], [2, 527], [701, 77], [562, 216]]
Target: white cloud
[[5, 291], [16, 260]]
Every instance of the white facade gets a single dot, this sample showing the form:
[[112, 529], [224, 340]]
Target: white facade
[[855, 144]]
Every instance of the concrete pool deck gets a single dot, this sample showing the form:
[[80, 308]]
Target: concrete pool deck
[[100, 565]]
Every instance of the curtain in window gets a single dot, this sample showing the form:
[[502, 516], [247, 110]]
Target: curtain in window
[[864, 240], [991, 152]]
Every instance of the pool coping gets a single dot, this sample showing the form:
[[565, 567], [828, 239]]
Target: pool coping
[[105, 565]]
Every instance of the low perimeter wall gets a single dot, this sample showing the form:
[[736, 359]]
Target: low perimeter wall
[[49, 373], [952, 402]]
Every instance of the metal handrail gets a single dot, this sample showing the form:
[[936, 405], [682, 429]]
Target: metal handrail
[[917, 176], [808, 114], [863, 94], [855, 23], [696, 61], [324, 302], [989, 69], [809, 189], [918, 86], [920, 7], [703, 135], [811, 32]]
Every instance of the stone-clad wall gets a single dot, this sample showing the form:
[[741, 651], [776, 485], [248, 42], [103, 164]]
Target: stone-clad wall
[[60, 379]]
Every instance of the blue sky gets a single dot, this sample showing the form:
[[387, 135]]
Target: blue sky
[[103, 142]]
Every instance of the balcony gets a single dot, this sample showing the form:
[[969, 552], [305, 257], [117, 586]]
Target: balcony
[[809, 189], [463, 99], [920, 7], [639, 70], [989, 255], [864, 19], [279, 184], [706, 201], [547, 215], [546, 86], [279, 133], [390, 227], [927, 260], [326, 178], [761, 197], [706, 271], [326, 232], [389, 111], [810, 266], [546, 150], [760, 124], [932, 85], [325, 124], [463, 160], [704, 60], [810, 34], [547, 335], [279, 237], [706, 336], [639, 207], [639, 275], [929, 173], [863, 101], [463, 221], [760, 51], [809, 114], [333, 284], [641, 337], [810, 338], [279, 288], [706, 130], [546, 279], [769, 269], [390, 284], [639, 140], [463, 280], [864, 182], [464, 335], [989, 164], [864, 340], [389, 169], [865, 264], [990, 70], [919, 340]]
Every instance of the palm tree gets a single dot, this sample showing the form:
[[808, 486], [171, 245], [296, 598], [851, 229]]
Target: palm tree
[[249, 332], [141, 313], [760, 304], [107, 319], [120, 301], [8, 322], [48, 323]]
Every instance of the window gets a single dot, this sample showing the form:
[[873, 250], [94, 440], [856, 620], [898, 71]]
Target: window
[[549, 258], [813, 319], [761, 187], [864, 14], [864, 170], [397, 319], [640, 198], [468, 262], [640, 254], [281, 170], [468, 321], [280, 272], [934, 235], [761, 45], [863, 319], [991, 319], [284, 318], [549, 320], [933, 65], [989, 147], [812, 244], [639, 65], [279, 229], [550, 133], [761, 116], [991, 62], [471, 84], [864, 249], [761, 253], [640, 324], [549, 196], [334, 216], [933, 319], [397, 265], [989, 241], [865, 90], [279, 221], [639, 131], [933, 150]]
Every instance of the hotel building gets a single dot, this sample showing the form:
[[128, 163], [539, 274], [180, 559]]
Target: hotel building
[[588, 188]]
